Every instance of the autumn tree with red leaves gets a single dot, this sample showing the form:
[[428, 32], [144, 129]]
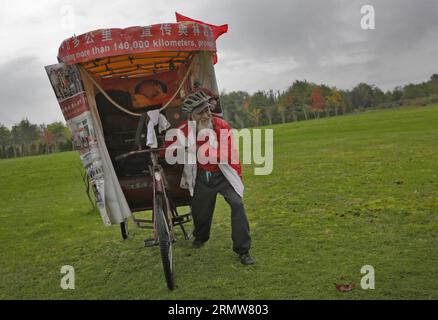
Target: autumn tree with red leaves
[[317, 101]]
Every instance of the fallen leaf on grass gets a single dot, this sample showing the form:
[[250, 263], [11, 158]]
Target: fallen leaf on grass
[[344, 287]]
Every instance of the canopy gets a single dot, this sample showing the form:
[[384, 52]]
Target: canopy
[[137, 65]]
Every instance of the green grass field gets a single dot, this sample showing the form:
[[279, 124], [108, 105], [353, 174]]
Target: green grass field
[[345, 192]]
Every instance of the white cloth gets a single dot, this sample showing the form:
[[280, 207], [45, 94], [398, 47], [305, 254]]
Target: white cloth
[[155, 118], [116, 205], [188, 178], [233, 177]]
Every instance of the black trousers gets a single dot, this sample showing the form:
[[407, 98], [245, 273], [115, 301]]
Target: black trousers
[[208, 185]]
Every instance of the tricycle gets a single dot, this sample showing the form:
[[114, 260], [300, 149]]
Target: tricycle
[[120, 90]]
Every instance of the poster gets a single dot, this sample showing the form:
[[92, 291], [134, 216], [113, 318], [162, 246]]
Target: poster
[[66, 83], [147, 93]]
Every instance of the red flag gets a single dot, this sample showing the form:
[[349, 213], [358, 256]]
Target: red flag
[[217, 30]]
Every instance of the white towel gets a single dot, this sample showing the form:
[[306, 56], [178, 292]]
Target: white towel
[[155, 118]]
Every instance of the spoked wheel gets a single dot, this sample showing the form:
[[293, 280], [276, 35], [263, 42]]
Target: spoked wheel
[[165, 241]]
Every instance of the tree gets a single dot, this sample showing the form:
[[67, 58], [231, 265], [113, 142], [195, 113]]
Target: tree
[[17, 140], [281, 106], [289, 105], [378, 95], [413, 91], [300, 91], [362, 96], [325, 92], [346, 106], [5, 141], [317, 101], [47, 138], [24, 134], [257, 103], [434, 78], [397, 93], [433, 84], [58, 132], [233, 107], [281, 109], [271, 106], [335, 100], [255, 115]]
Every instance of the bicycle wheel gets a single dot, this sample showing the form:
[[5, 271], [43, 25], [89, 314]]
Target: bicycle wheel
[[165, 241]]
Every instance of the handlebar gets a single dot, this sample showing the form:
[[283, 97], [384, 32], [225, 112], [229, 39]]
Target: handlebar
[[151, 150]]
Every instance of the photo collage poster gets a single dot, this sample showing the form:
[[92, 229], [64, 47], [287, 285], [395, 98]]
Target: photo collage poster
[[68, 88]]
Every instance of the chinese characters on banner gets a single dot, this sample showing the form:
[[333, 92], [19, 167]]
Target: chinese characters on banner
[[66, 83], [183, 36]]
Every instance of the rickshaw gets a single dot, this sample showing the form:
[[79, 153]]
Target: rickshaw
[[115, 86]]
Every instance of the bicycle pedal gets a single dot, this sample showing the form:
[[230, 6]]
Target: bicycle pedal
[[150, 242]]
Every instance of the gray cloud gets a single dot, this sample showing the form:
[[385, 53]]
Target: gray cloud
[[26, 92], [326, 41], [269, 44]]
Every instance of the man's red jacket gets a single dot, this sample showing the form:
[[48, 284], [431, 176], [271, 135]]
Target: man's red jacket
[[231, 152]]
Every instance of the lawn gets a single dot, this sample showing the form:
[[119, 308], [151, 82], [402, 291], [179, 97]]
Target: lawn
[[345, 192]]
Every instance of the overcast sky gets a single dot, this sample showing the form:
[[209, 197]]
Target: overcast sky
[[269, 43]]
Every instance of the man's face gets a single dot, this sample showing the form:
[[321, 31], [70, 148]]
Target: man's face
[[203, 119]]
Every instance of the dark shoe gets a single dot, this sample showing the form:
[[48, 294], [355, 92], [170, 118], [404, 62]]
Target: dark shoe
[[197, 244], [246, 259]]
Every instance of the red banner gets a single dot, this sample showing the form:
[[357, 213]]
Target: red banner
[[74, 106], [159, 37], [217, 30]]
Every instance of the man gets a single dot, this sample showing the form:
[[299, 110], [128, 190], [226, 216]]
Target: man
[[212, 178]]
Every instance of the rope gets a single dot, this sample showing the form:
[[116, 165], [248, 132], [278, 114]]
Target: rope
[[118, 106], [180, 86]]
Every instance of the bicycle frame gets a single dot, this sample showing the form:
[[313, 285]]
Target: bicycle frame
[[159, 188]]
